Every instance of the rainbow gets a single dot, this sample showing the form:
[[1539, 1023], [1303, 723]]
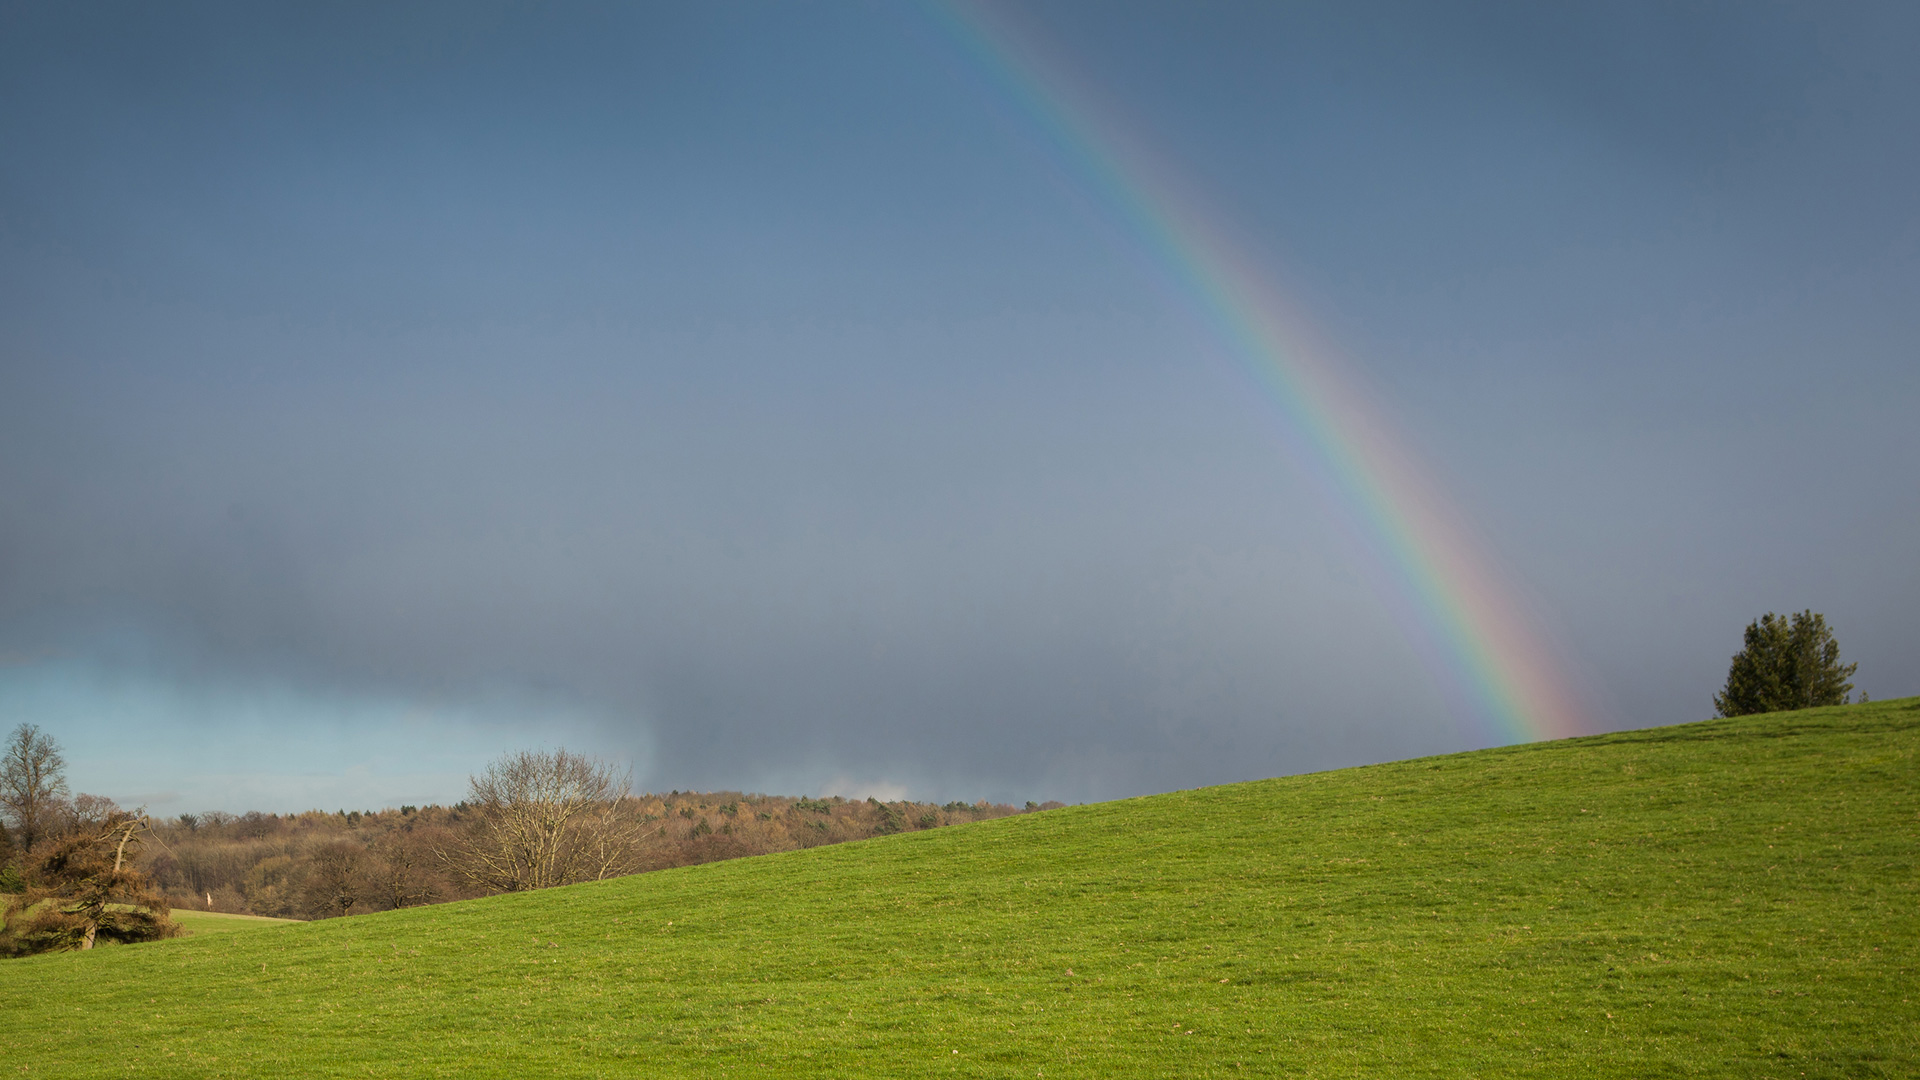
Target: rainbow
[[1495, 665]]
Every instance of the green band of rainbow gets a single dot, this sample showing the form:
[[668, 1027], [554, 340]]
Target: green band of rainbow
[[1498, 665]]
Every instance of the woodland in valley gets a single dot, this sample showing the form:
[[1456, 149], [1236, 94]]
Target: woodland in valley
[[76, 869], [320, 864]]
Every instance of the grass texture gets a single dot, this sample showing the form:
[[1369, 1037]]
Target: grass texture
[[1733, 898]]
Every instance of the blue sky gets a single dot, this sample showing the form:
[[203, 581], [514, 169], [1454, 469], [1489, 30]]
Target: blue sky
[[755, 394]]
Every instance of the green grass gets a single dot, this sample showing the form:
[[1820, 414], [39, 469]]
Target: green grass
[[1730, 898], [196, 923], [206, 922]]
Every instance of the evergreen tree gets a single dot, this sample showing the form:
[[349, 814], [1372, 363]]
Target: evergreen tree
[[1787, 663]]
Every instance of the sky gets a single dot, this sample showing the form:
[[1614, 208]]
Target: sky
[[826, 397]]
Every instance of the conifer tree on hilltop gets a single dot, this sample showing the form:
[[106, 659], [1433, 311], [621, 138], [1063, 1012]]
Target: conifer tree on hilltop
[[1786, 663]]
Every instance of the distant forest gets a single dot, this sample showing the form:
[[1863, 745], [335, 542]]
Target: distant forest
[[317, 865], [75, 868]]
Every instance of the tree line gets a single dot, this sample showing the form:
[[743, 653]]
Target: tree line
[[532, 820]]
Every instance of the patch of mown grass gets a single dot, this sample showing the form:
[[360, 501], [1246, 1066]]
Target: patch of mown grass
[[1730, 898]]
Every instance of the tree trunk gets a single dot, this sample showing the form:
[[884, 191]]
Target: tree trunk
[[120, 853]]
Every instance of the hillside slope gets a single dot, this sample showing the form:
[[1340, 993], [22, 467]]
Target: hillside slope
[[1728, 898]]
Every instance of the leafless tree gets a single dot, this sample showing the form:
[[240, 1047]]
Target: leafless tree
[[402, 870], [33, 784], [547, 819], [336, 879]]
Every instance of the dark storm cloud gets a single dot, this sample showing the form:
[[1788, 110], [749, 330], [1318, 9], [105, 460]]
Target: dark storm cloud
[[739, 391]]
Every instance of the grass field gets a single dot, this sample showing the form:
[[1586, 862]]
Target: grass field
[[1730, 898], [196, 923]]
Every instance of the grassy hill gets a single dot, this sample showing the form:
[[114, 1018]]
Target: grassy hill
[[1729, 898]]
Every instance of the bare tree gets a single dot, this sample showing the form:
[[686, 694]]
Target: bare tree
[[402, 870], [336, 879], [547, 819], [33, 784]]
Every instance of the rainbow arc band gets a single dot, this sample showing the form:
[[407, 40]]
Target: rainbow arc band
[[1495, 663]]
